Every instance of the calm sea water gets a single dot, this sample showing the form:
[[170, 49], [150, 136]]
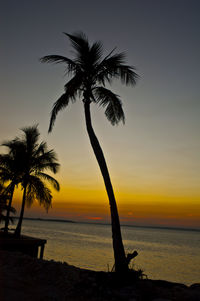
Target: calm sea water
[[167, 254]]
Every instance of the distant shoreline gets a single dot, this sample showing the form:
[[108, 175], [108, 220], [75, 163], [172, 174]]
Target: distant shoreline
[[46, 219], [107, 224]]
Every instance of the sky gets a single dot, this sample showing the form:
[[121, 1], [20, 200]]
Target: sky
[[154, 158]]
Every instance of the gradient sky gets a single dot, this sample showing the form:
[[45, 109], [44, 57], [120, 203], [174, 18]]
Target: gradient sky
[[154, 159]]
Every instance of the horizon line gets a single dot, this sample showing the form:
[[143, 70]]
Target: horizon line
[[108, 224]]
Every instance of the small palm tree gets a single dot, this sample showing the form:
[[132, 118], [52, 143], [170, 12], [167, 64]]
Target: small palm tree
[[36, 159], [90, 73], [4, 197], [11, 171]]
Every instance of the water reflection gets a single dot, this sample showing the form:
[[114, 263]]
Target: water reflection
[[163, 254]]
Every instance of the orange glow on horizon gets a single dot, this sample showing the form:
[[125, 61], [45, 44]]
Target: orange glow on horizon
[[156, 210], [91, 204], [95, 218]]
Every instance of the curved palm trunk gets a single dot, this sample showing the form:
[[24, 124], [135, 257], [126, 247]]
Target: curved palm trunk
[[12, 187], [121, 265], [19, 225]]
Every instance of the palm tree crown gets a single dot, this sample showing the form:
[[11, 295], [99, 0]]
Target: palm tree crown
[[36, 159], [90, 73]]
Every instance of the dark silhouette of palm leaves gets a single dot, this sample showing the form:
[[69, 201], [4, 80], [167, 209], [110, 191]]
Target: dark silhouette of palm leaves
[[10, 163], [90, 73], [4, 198], [36, 189], [111, 101], [11, 170], [37, 158]]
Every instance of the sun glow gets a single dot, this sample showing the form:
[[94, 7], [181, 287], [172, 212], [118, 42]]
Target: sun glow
[[81, 204]]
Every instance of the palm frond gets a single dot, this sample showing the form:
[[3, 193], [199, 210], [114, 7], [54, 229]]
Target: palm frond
[[71, 90], [79, 42], [36, 189], [111, 101], [97, 50], [14, 147], [109, 63], [71, 65], [45, 199], [127, 75], [50, 179], [73, 86], [42, 148], [114, 67], [30, 139], [84, 57], [11, 164], [59, 105], [105, 70], [48, 156], [95, 54], [53, 167]]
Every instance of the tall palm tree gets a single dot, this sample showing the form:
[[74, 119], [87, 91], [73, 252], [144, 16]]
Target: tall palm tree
[[11, 165], [90, 73], [36, 159]]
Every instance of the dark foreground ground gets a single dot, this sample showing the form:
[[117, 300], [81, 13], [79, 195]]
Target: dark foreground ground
[[24, 278]]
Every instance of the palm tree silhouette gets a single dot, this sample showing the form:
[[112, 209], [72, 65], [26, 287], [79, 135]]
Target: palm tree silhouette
[[36, 159], [11, 169], [90, 73], [4, 196]]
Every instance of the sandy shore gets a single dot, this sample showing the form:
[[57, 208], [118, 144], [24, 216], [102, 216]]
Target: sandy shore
[[26, 278]]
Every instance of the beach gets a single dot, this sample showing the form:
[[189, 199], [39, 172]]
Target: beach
[[26, 278]]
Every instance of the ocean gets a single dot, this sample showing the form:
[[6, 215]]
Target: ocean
[[167, 254]]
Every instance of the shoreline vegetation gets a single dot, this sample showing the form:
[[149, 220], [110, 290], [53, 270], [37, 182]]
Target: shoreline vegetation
[[25, 278], [107, 224]]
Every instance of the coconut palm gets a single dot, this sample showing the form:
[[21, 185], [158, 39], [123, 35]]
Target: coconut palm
[[36, 160], [90, 72], [11, 168]]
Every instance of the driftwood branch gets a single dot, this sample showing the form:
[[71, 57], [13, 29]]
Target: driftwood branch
[[130, 256]]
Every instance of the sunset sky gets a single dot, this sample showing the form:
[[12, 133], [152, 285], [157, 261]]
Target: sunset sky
[[154, 159]]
